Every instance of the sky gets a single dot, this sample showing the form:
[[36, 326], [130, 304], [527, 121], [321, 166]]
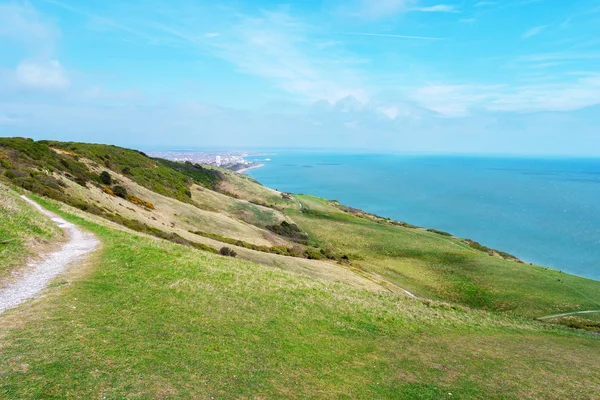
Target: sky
[[448, 76]]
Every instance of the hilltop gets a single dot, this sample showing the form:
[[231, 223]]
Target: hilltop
[[317, 302]]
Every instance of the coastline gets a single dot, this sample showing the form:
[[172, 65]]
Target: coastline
[[243, 170]]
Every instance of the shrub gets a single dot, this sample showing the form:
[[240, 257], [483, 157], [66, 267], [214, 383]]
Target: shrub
[[5, 163], [291, 231], [105, 178], [313, 254], [120, 191], [227, 252], [439, 232], [9, 174], [108, 190], [140, 202]]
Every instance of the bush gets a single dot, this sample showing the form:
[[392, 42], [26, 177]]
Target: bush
[[105, 178], [140, 202], [120, 191], [291, 231], [439, 232], [313, 253], [227, 252]]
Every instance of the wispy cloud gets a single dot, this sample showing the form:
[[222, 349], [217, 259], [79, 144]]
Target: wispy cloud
[[534, 31], [42, 75], [462, 100], [438, 8], [485, 3], [277, 47], [391, 35]]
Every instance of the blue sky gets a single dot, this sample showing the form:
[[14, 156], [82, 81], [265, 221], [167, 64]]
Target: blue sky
[[468, 76]]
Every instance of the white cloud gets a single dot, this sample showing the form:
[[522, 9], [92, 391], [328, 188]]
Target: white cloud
[[534, 31], [279, 48], [462, 100], [41, 75], [212, 34], [438, 8], [485, 3]]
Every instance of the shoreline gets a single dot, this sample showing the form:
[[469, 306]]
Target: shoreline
[[243, 170]]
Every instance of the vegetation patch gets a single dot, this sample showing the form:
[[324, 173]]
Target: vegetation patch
[[168, 178], [291, 231], [478, 246], [227, 252]]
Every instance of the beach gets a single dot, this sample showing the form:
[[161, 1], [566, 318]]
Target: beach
[[243, 170]]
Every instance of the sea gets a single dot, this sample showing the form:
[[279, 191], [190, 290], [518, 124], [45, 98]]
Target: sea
[[543, 210]]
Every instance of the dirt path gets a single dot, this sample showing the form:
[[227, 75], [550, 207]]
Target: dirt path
[[568, 314], [40, 273]]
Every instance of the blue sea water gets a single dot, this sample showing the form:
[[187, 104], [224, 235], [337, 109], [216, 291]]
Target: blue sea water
[[545, 211]]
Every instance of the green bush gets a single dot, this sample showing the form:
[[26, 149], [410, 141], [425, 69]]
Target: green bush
[[313, 253], [105, 178], [291, 231], [120, 191]]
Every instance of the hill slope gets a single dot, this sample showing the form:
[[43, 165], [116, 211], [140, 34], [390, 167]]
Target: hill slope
[[209, 208], [152, 319]]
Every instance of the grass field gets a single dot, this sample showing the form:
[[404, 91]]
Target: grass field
[[151, 319], [24, 232], [435, 266], [243, 210]]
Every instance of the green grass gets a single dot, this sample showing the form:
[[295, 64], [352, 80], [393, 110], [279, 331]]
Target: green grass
[[22, 230], [161, 176], [246, 188], [437, 266], [155, 320]]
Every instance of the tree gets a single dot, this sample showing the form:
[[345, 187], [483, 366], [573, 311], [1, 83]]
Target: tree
[[105, 178]]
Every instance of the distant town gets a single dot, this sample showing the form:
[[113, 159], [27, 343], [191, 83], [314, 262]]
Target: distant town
[[234, 161]]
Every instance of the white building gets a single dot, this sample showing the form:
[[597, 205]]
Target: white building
[[218, 160]]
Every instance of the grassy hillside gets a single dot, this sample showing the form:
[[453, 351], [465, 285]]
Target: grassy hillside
[[208, 219], [443, 267], [151, 319], [210, 208], [23, 232]]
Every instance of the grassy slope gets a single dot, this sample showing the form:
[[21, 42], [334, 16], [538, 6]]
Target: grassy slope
[[157, 320], [442, 267], [240, 209], [170, 214], [425, 263], [23, 231], [246, 188]]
